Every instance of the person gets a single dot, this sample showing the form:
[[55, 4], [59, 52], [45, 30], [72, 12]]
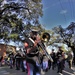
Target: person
[[32, 53], [1, 58], [70, 59], [22, 64], [11, 56], [60, 63], [45, 64], [49, 63], [53, 55], [18, 61]]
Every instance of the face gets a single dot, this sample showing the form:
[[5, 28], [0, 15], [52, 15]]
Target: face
[[33, 35]]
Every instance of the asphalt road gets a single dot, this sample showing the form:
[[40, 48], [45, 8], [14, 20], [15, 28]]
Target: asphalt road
[[5, 70]]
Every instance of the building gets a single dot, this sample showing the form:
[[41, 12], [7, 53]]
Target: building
[[5, 49]]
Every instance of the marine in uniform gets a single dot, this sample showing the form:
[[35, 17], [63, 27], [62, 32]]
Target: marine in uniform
[[32, 53]]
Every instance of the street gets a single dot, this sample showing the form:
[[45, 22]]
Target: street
[[5, 70]]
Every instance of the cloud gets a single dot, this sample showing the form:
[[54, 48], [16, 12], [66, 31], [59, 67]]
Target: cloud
[[63, 11], [50, 6]]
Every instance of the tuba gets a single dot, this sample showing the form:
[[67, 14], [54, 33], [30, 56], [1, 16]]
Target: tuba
[[45, 39]]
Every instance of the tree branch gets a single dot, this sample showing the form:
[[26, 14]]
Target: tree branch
[[14, 7]]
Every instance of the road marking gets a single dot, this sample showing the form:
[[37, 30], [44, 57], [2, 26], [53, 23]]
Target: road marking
[[68, 72], [74, 72], [4, 72]]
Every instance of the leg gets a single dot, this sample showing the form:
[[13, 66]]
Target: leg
[[30, 68]]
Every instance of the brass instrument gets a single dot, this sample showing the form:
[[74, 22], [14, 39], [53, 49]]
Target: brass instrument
[[45, 38]]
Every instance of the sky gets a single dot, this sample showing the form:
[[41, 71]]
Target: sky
[[57, 12]]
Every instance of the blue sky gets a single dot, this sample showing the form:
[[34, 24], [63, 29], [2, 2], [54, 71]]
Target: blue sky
[[57, 12]]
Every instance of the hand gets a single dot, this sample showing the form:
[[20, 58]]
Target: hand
[[28, 50]]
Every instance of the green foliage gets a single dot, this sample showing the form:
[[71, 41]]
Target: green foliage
[[15, 17], [13, 36], [66, 35]]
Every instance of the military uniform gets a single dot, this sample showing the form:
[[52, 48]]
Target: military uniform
[[32, 53]]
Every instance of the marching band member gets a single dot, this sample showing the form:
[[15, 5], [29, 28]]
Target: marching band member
[[33, 65]]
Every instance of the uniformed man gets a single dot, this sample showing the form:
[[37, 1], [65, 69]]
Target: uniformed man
[[31, 46]]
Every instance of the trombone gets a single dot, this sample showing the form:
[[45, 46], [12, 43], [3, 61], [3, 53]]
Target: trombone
[[45, 38]]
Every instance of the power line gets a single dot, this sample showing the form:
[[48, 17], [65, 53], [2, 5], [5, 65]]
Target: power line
[[72, 8], [63, 9]]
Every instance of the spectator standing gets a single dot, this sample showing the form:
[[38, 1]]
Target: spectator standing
[[11, 57], [70, 59], [18, 61]]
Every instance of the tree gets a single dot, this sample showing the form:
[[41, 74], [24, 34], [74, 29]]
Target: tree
[[16, 15], [68, 36]]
